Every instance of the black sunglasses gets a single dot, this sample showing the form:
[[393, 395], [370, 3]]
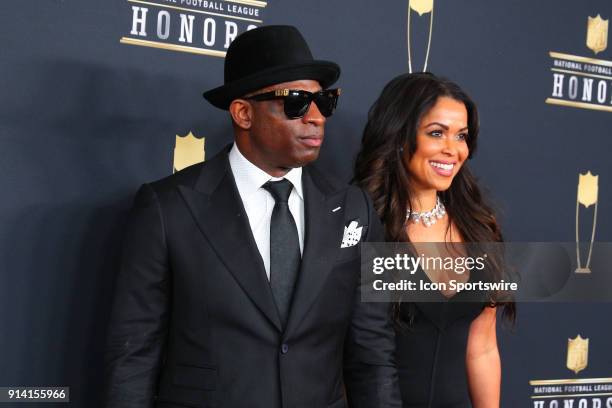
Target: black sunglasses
[[297, 102]]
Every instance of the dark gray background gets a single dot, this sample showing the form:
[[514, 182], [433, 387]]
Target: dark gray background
[[84, 120]]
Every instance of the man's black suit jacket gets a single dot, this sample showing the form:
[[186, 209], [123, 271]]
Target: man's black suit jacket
[[194, 322]]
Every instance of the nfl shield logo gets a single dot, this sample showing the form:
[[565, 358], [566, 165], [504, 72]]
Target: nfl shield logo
[[577, 354], [587, 189], [421, 6], [597, 34], [187, 151]]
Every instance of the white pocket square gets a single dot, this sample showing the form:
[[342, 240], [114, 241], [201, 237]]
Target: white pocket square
[[352, 235]]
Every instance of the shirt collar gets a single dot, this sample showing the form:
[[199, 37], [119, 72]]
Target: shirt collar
[[249, 178]]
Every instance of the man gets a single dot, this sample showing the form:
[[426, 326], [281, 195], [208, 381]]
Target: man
[[239, 284]]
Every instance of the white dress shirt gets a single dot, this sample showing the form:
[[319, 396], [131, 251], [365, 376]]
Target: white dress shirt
[[259, 203]]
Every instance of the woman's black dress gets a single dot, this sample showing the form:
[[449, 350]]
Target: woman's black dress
[[431, 350]]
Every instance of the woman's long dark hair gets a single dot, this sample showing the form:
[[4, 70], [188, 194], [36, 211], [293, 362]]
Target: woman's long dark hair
[[391, 132]]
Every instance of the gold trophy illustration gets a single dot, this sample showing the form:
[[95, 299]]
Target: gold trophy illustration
[[587, 196], [421, 7]]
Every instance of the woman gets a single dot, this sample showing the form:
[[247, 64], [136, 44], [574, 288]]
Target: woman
[[419, 134]]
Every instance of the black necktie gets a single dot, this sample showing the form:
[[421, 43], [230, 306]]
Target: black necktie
[[285, 254]]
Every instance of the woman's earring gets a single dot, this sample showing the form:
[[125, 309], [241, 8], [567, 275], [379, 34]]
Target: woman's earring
[[401, 150]]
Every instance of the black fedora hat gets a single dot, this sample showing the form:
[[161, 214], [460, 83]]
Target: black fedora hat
[[266, 56]]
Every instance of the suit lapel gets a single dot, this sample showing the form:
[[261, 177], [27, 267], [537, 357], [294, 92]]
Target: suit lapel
[[218, 211], [323, 235]]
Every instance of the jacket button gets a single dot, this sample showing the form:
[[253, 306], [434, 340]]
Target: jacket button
[[284, 348]]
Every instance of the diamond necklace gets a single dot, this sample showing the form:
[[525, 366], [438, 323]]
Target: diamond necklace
[[430, 217]]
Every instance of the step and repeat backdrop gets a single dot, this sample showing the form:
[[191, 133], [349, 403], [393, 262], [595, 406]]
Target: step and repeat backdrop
[[98, 97]]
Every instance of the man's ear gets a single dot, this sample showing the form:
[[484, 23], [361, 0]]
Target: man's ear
[[242, 113]]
